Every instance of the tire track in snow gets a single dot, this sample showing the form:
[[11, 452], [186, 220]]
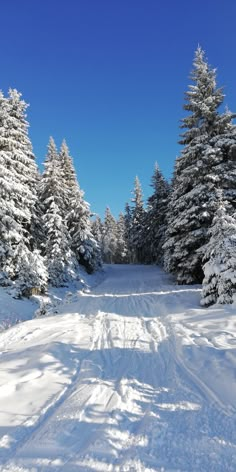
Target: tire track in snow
[[32, 430], [128, 385], [101, 340], [108, 332], [200, 384]]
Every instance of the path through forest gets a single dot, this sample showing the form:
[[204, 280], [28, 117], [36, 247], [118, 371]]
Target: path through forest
[[131, 375]]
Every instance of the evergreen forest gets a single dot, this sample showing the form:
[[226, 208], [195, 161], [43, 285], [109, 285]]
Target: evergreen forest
[[188, 225]]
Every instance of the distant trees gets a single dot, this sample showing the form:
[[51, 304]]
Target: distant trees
[[122, 239], [145, 226], [137, 236]]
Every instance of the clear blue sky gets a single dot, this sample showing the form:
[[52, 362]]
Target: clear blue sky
[[109, 76]]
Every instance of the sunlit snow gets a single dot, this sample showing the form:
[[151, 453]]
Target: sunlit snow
[[129, 374]]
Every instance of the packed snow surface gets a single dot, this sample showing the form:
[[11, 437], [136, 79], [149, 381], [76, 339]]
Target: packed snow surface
[[130, 375]]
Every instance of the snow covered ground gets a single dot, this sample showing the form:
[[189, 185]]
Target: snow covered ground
[[130, 375]]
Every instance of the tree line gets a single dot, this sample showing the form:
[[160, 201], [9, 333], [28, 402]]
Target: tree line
[[188, 225], [45, 224]]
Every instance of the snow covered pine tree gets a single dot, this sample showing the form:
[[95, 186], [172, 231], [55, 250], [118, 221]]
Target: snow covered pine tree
[[61, 261], [206, 162], [156, 217], [109, 239], [18, 175], [121, 256], [219, 283], [128, 229], [137, 229], [97, 229], [78, 217]]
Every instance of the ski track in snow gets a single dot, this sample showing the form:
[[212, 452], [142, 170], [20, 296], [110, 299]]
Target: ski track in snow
[[130, 376]]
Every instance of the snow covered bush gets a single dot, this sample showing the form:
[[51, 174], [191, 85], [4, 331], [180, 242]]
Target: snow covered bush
[[32, 275]]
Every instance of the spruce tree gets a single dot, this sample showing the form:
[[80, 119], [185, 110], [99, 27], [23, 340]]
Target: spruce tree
[[137, 224], [219, 283], [51, 185], [78, 216], [121, 256], [61, 262], [156, 218], [57, 247], [206, 162], [202, 101], [84, 245], [68, 176], [8, 224], [97, 229], [109, 241], [18, 175], [37, 227], [128, 230]]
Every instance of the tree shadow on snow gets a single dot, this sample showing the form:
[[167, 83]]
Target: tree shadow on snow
[[122, 405]]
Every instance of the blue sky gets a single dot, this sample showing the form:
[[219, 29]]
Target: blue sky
[[109, 76]]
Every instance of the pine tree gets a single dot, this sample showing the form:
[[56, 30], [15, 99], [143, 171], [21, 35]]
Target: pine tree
[[37, 228], [156, 218], [203, 100], [109, 241], [219, 283], [57, 247], [52, 185], [8, 225], [97, 229], [84, 245], [78, 216], [68, 176], [18, 175], [137, 225], [206, 162], [121, 256], [61, 262], [128, 230]]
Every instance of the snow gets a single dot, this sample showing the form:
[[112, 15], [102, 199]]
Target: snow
[[14, 310], [127, 374]]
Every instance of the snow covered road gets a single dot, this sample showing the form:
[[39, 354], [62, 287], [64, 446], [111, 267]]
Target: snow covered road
[[131, 376]]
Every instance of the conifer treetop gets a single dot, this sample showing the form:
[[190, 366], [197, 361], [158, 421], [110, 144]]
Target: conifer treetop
[[138, 195], [203, 100], [69, 174]]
